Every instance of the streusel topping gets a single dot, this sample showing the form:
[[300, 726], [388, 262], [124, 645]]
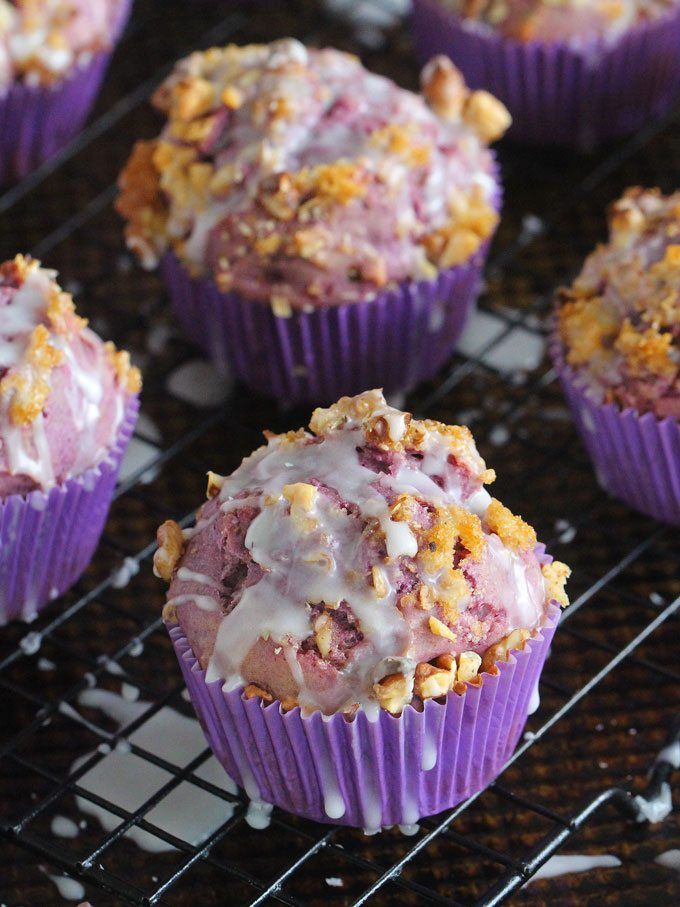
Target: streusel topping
[[620, 319], [297, 177]]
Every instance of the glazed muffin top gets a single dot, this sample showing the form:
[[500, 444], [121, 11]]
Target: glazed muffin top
[[360, 565], [41, 41], [560, 20], [62, 389], [620, 320], [297, 177]]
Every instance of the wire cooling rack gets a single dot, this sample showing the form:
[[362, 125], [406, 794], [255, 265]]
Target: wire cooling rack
[[94, 679]]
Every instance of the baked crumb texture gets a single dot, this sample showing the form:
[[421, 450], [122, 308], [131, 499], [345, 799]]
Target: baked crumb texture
[[296, 177], [374, 536], [29, 355], [620, 320]]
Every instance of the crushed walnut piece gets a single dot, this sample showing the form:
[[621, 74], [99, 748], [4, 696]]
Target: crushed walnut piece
[[394, 692], [170, 547]]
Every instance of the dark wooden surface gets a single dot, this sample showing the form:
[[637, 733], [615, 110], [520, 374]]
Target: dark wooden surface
[[610, 737]]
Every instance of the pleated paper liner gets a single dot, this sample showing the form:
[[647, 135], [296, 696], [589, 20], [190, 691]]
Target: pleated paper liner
[[636, 458], [369, 773]]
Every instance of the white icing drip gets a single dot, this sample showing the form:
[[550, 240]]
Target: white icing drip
[[190, 576], [670, 754], [69, 889], [566, 863], [205, 602], [656, 809], [258, 814], [534, 701], [429, 756]]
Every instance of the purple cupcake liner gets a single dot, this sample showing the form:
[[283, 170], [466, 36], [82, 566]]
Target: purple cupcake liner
[[37, 121], [369, 773], [557, 93], [636, 458], [47, 538], [394, 341]]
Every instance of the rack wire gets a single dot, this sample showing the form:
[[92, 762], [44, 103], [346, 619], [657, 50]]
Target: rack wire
[[611, 689]]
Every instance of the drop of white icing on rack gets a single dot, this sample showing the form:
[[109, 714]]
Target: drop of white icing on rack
[[31, 643], [62, 827], [69, 889], [656, 809], [122, 576], [258, 814], [198, 382], [670, 859], [189, 813], [334, 882], [563, 864]]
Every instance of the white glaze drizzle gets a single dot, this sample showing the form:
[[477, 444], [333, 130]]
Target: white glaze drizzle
[[26, 448], [313, 557]]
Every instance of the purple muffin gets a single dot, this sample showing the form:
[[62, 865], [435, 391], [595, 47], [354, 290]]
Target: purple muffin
[[320, 229], [570, 72], [67, 409], [617, 350], [53, 57], [345, 610]]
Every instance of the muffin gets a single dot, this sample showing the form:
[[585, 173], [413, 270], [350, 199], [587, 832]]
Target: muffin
[[320, 230], [359, 623], [617, 351], [53, 57], [68, 403], [570, 72]]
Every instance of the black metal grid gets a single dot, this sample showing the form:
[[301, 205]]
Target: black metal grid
[[636, 570]]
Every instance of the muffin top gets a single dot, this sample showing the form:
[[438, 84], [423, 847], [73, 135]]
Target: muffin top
[[297, 177], [620, 320], [560, 20], [363, 564], [42, 40], [62, 389]]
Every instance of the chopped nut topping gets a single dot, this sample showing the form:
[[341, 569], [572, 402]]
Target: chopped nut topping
[[394, 692], [431, 682], [379, 583], [468, 666], [323, 633], [215, 483], [228, 148], [487, 115], [501, 650], [170, 547], [253, 690], [169, 613], [440, 629]]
